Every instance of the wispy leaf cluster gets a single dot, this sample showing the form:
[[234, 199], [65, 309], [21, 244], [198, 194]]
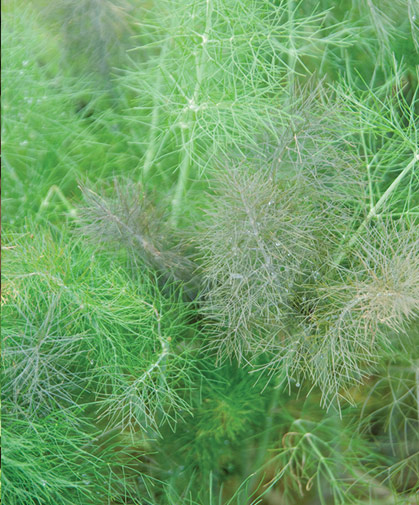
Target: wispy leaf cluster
[[297, 266], [93, 331], [126, 216], [390, 410], [310, 455], [63, 458], [205, 86], [254, 250]]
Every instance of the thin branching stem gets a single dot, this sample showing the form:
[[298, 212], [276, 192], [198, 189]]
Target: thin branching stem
[[375, 210], [188, 143], [155, 115]]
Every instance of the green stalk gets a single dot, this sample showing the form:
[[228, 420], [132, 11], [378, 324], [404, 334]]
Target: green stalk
[[152, 138], [375, 209], [417, 389], [368, 164], [54, 190], [187, 149], [292, 54], [264, 443], [193, 106]]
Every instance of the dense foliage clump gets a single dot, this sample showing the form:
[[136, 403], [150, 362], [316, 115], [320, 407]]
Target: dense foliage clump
[[210, 252]]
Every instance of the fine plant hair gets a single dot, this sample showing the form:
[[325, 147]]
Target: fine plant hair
[[392, 402], [310, 452], [355, 314], [334, 323], [126, 216], [64, 458], [254, 248], [388, 281], [40, 357], [321, 302], [384, 20], [109, 336], [224, 94], [313, 153]]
